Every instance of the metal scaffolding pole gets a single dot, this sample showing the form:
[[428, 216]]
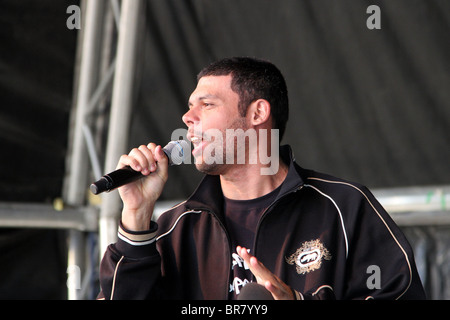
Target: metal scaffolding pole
[[78, 172], [132, 15], [78, 166]]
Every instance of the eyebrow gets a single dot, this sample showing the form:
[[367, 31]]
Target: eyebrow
[[204, 97]]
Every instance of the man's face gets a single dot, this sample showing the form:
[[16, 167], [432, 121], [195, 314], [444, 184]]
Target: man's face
[[213, 108]]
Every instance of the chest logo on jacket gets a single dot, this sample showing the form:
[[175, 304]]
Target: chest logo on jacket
[[309, 256]]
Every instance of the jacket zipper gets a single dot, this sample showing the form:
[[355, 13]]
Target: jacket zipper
[[229, 247], [256, 233], [255, 240]]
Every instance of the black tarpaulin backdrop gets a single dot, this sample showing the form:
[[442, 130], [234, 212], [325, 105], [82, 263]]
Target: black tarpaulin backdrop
[[36, 75], [367, 105]]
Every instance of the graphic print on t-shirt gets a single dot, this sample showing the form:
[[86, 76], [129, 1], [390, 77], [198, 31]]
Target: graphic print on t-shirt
[[241, 220], [241, 274]]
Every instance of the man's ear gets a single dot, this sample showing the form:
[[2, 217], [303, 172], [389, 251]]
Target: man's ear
[[259, 112]]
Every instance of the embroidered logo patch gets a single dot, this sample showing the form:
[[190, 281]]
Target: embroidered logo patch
[[309, 256]]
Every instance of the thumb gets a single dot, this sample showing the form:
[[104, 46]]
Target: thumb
[[161, 158]]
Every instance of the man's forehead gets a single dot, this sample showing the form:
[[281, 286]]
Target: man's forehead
[[213, 80], [210, 87]]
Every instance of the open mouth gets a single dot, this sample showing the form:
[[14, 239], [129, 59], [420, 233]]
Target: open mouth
[[197, 142]]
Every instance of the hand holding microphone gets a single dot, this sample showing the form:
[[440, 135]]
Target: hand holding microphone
[[174, 150], [139, 195]]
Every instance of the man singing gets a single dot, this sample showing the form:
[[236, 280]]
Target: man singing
[[299, 233]]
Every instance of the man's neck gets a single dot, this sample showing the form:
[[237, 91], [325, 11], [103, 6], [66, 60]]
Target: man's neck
[[245, 182]]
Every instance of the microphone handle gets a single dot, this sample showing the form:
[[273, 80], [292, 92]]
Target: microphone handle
[[175, 151], [115, 179]]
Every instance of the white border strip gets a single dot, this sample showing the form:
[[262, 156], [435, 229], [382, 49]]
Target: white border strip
[[134, 243], [385, 224], [176, 222], [340, 216]]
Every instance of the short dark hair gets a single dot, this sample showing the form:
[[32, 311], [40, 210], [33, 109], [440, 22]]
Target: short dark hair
[[254, 79]]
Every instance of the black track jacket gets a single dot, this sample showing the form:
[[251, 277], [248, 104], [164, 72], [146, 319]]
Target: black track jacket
[[325, 237]]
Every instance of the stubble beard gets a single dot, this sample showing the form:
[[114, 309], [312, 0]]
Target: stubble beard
[[220, 168]]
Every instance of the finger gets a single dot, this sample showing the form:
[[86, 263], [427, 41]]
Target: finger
[[144, 158], [139, 159], [163, 163], [261, 273], [161, 157], [150, 159], [278, 289], [127, 160], [155, 154]]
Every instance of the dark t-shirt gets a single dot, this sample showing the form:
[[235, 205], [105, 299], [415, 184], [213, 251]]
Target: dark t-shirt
[[241, 219]]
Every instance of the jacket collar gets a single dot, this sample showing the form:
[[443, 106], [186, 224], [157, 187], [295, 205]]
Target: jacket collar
[[208, 194], [293, 179]]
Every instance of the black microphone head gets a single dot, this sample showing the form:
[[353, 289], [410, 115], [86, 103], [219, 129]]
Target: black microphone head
[[177, 151], [99, 186], [254, 291]]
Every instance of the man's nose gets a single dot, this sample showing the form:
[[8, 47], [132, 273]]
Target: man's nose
[[190, 117]]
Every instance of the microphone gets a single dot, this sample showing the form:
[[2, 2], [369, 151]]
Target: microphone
[[176, 152], [254, 291]]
